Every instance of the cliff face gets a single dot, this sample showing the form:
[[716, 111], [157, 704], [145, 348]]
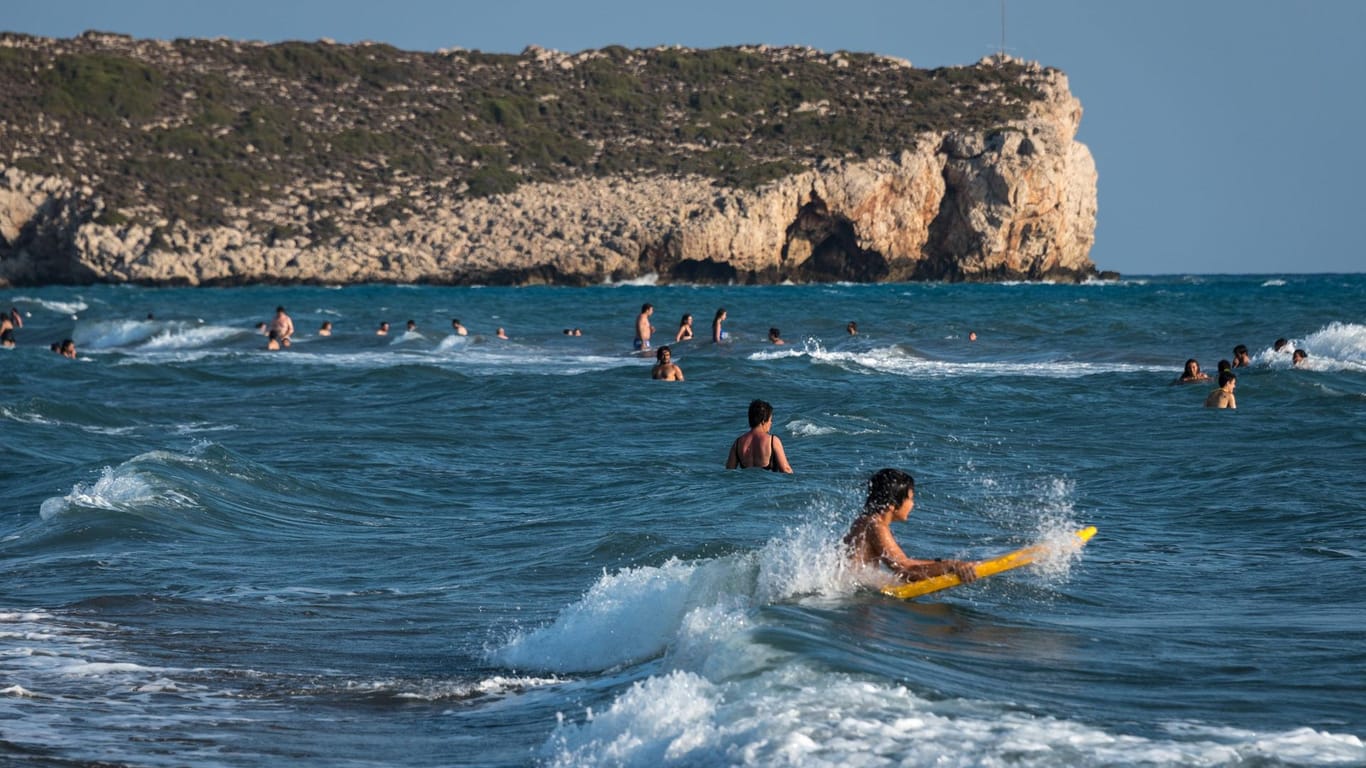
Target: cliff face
[[1012, 201]]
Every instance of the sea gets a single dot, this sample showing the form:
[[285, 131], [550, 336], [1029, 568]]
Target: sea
[[426, 549]]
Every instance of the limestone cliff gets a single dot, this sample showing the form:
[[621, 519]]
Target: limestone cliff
[[1016, 200]]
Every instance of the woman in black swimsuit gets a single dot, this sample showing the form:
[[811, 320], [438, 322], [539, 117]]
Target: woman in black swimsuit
[[757, 447]]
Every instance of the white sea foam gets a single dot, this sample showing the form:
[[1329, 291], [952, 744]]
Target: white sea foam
[[438, 690], [114, 490], [1337, 346], [1273, 283], [60, 307], [898, 361], [794, 715], [153, 336], [123, 488], [646, 280]]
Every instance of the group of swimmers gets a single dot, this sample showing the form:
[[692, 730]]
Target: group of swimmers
[[279, 332], [891, 496], [664, 368], [1222, 395], [11, 320]]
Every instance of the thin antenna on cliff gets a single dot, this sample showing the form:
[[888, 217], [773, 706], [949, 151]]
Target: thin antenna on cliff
[[1003, 30]]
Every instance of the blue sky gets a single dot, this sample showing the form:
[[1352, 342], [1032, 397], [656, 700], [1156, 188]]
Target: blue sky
[[1225, 132]]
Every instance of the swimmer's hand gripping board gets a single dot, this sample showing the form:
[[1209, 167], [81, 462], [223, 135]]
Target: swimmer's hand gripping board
[[987, 567]]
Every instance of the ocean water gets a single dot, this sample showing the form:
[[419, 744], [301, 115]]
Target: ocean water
[[428, 550]]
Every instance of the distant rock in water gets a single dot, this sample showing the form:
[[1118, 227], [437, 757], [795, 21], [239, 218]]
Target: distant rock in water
[[213, 162]]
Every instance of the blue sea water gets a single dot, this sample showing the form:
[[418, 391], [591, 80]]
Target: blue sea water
[[430, 550]]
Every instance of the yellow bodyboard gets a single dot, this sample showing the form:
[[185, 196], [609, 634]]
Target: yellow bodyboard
[[985, 568]]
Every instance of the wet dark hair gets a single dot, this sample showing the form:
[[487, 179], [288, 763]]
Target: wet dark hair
[[1279, 344], [1241, 349], [886, 488], [646, 307], [773, 333], [280, 309], [1225, 365], [685, 319], [759, 412], [719, 312], [1227, 376], [659, 353]]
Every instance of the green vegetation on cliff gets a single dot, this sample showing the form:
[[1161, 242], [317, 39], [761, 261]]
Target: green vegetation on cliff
[[188, 127]]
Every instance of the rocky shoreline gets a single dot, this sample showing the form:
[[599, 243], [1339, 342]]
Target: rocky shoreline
[[1017, 202]]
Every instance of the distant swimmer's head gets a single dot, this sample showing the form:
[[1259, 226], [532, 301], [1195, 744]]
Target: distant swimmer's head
[[1240, 350], [412, 326], [687, 319], [1192, 367], [663, 354], [852, 328], [1280, 344], [1225, 377], [646, 307], [972, 335], [887, 488], [1299, 356], [720, 313], [759, 412], [279, 310], [1225, 365], [773, 334]]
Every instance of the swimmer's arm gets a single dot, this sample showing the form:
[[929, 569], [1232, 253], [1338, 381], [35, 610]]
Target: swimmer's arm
[[678, 373], [732, 461], [913, 569], [781, 456]]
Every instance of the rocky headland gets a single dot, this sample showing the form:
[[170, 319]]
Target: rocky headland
[[214, 162]]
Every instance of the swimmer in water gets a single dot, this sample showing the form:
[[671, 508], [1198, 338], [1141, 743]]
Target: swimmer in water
[[758, 447], [1192, 373], [459, 329], [383, 329], [851, 328], [775, 337], [643, 327], [684, 329], [1222, 396], [326, 329], [282, 325], [891, 496], [1299, 357], [68, 349], [718, 335], [664, 369], [1240, 357]]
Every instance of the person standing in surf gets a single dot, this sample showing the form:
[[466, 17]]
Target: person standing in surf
[[758, 447], [282, 325], [684, 329], [643, 328], [891, 496], [718, 335]]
